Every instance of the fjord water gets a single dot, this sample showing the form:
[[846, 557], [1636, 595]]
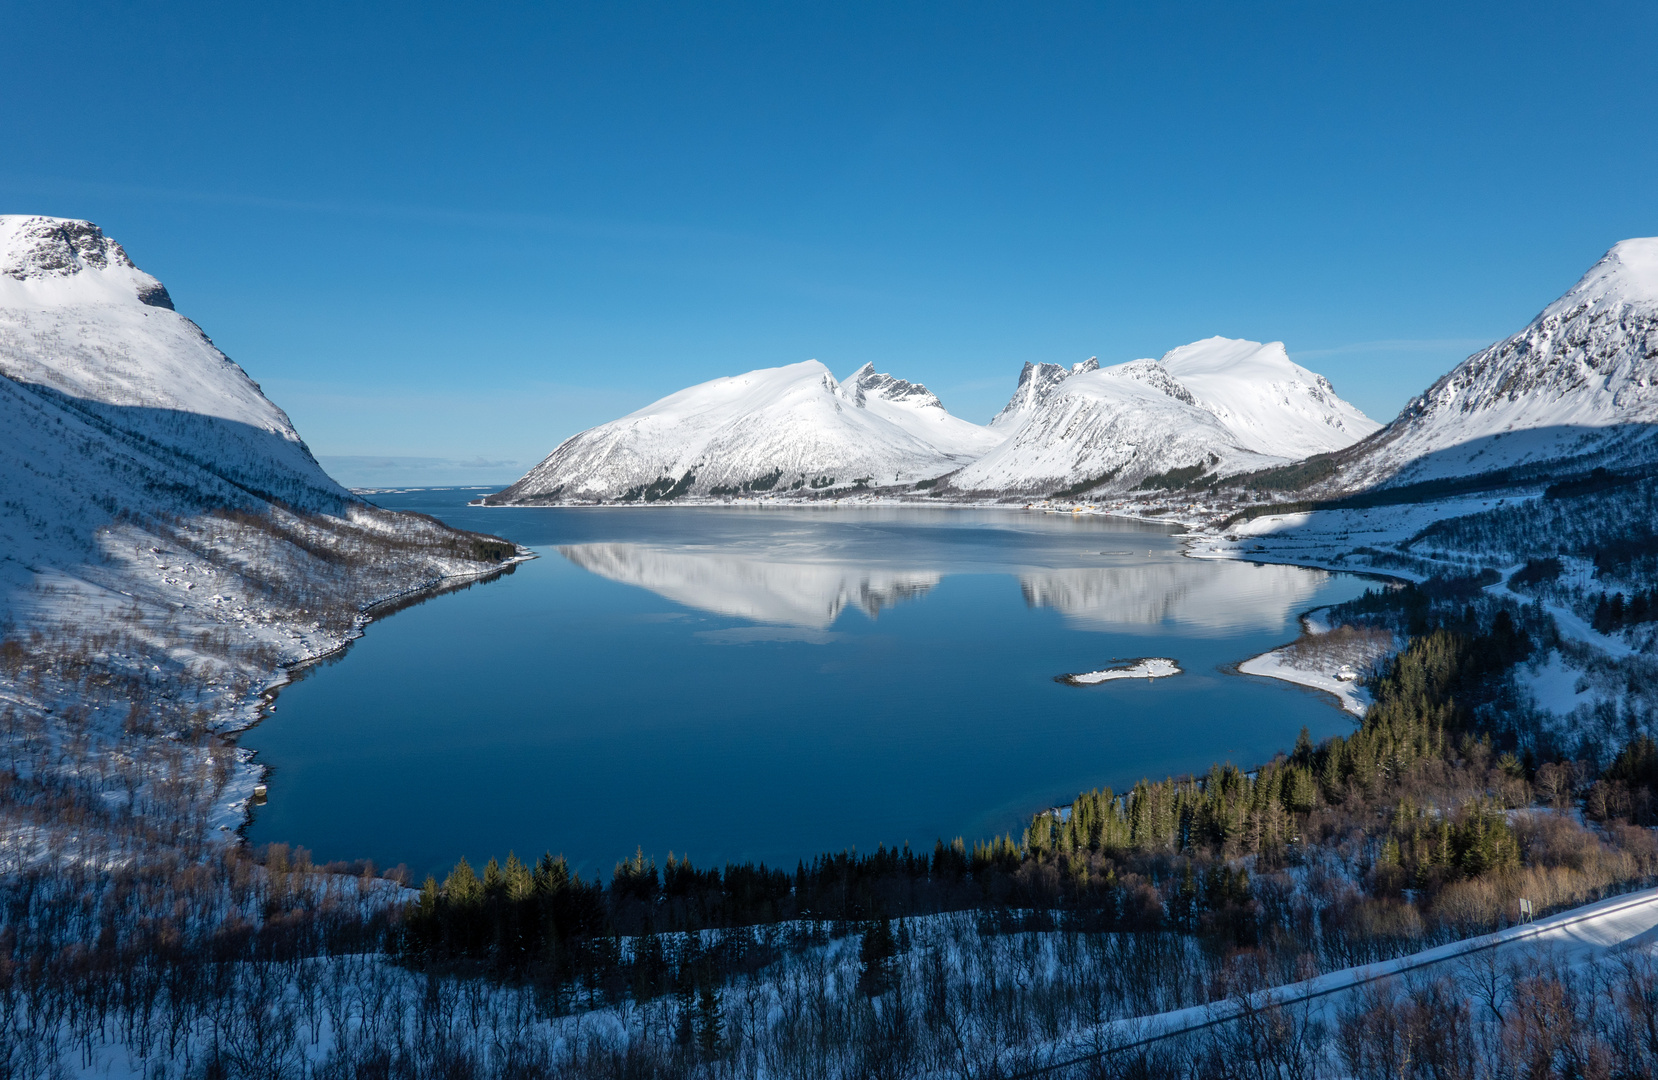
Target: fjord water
[[735, 684]]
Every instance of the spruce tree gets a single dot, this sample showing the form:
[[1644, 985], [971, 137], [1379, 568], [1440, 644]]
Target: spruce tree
[[519, 883], [710, 1023], [875, 963], [462, 888]]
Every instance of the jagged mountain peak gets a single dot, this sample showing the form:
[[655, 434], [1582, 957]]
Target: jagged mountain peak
[[1036, 382], [867, 381], [1578, 385], [1216, 406], [55, 247], [35, 250]]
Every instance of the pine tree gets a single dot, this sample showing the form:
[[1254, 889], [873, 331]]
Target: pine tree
[[462, 888], [710, 1023], [875, 958], [1303, 748], [551, 875], [519, 883], [1300, 792], [684, 1005]]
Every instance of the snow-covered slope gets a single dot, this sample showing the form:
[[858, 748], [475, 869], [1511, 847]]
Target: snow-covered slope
[[1578, 386], [1036, 382], [1272, 404], [771, 430], [82, 326], [123, 430], [1223, 405], [166, 543], [918, 411], [112, 405]]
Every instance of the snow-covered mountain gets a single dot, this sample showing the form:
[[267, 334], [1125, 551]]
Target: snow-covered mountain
[[123, 430], [167, 542], [1577, 387], [1217, 406], [86, 331], [1274, 405], [771, 430]]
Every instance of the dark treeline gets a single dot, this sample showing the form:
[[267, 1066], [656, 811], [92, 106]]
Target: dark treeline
[[1613, 613], [1628, 789], [1609, 525]]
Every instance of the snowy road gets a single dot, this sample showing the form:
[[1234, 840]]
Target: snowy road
[[1575, 937]]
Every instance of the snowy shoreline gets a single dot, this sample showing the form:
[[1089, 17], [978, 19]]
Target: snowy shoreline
[[1350, 693]]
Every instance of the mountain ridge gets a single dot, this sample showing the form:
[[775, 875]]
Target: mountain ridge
[[127, 439], [772, 431], [1219, 406], [1575, 389], [788, 428]]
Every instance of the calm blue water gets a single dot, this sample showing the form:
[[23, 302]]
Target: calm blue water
[[768, 684]]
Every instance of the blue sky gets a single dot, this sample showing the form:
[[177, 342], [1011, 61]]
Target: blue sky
[[444, 239]]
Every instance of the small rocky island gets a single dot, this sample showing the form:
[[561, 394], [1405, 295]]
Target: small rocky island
[[1146, 667]]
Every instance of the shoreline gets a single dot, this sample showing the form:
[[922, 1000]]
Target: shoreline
[[1350, 695], [233, 811]]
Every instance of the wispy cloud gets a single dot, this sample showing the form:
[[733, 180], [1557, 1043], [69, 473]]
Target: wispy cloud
[[1399, 345], [590, 227]]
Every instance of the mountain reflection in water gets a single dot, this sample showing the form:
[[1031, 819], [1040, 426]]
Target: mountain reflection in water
[[725, 583], [765, 586], [1227, 596]]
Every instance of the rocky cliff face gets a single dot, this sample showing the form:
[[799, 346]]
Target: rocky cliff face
[[1576, 388], [1036, 383]]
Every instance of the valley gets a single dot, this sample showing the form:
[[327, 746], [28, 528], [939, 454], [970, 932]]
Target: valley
[[744, 565]]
